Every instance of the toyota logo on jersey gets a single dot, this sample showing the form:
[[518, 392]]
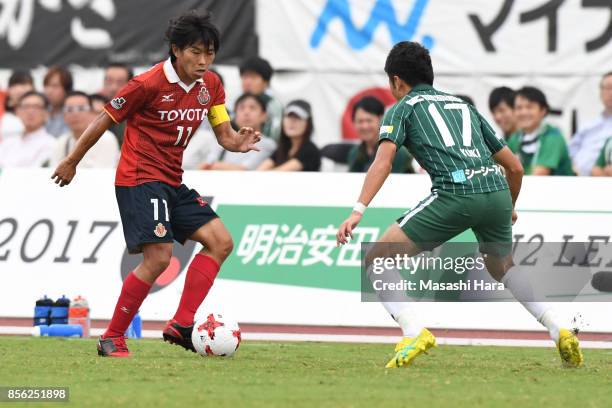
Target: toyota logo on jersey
[[203, 96]]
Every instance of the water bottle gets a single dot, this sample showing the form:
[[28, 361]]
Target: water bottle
[[59, 311], [42, 311], [63, 330], [134, 330], [78, 313]]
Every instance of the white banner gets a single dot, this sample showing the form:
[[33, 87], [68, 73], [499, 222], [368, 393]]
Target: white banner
[[57, 241], [330, 51], [477, 36]]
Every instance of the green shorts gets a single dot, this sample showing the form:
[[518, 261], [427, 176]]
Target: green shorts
[[443, 215]]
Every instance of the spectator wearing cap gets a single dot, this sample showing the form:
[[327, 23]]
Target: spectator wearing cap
[[603, 164], [541, 147], [78, 114], [295, 151], [33, 147], [57, 84], [501, 105], [255, 76], [250, 112], [20, 82], [587, 143], [367, 116]]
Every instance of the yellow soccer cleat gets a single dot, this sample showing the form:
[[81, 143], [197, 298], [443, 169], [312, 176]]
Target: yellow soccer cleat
[[569, 349], [410, 347]]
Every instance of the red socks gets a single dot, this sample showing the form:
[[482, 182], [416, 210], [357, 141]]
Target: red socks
[[200, 277], [134, 291]]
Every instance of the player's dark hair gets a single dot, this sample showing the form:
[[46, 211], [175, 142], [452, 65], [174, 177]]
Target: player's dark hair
[[20, 78], [80, 93], [499, 95], [65, 77], [281, 154], [191, 28], [247, 95], [533, 94], [369, 104], [258, 65], [128, 70], [35, 93], [410, 61]]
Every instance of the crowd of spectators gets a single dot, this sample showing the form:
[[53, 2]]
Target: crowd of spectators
[[521, 116], [40, 128]]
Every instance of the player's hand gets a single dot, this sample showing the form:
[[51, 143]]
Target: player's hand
[[64, 173], [514, 216], [247, 139], [346, 229]]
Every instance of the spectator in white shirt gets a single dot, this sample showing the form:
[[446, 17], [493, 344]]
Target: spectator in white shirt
[[78, 114], [250, 112], [33, 147], [19, 83], [585, 146]]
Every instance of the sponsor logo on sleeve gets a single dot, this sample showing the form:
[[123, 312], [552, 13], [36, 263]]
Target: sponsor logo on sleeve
[[386, 129], [117, 103]]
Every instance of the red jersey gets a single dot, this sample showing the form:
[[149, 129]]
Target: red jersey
[[162, 114]]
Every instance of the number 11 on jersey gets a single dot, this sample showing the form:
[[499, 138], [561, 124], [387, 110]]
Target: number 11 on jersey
[[181, 129]]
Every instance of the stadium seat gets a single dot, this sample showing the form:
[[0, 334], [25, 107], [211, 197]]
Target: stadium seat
[[338, 152]]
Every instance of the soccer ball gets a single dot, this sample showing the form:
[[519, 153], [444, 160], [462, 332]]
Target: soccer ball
[[216, 336]]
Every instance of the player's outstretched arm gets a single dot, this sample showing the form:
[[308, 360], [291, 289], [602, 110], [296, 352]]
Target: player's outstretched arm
[[65, 171], [374, 180], [514, 173], [242, 141]]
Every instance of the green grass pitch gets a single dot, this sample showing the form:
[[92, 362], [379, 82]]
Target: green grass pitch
[[266, 374]]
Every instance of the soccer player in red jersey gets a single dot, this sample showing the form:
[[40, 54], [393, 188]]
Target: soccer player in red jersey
[[163, 108]]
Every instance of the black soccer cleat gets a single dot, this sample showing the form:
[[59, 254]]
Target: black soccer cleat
[[174, 333], [113, 347]]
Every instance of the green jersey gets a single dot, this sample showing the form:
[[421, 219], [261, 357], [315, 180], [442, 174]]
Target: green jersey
[[546, 148], [448, 138]]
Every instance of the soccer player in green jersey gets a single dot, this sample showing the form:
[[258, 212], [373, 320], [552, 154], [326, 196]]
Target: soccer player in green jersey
[[462, 155]]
